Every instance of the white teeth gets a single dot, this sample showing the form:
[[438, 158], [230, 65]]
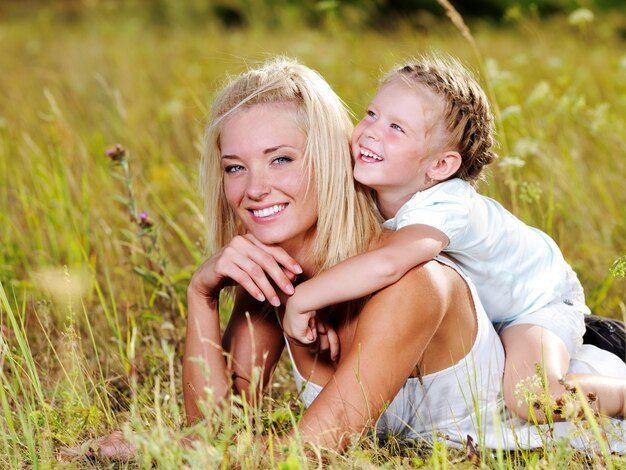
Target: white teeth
[[269, 210], [369, 154]]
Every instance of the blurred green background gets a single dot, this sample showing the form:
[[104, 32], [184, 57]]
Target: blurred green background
[[98, 300], [379, 14]]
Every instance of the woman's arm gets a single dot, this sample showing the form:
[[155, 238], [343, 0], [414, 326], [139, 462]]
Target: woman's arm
[[204, 366], [252, 265], [361, 275], [254, 340], [399, 328]]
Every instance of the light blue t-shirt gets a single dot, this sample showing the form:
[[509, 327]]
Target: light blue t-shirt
[[517, 269]]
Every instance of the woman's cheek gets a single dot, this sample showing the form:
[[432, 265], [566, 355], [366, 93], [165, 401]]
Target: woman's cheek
[[233, 193]]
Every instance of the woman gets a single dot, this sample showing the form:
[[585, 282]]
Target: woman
[[283, 205]]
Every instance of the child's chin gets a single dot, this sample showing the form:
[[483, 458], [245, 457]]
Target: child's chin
[[365, 179]]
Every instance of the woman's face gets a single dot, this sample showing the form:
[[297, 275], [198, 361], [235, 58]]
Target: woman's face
[[265, 174]]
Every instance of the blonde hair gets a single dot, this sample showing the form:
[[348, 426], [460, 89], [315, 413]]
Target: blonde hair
[[346, 216], [467, 117]]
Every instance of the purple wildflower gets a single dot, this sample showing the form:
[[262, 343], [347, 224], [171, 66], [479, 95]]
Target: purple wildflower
[[116, 153], [143, 220]]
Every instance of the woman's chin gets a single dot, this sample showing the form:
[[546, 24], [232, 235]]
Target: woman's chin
[[273, 239], [276, 234]]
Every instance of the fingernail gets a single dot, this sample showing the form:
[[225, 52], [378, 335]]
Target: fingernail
[[260, 297], [289, 289], [297, 269], [275, 301]]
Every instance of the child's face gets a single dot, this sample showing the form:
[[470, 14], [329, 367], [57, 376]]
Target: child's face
[[393, 144]]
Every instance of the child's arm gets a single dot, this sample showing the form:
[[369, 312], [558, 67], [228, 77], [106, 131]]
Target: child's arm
[[361, 275]]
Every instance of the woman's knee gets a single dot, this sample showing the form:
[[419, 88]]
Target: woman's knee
[[416, 282], [423, 285], [438, 300]]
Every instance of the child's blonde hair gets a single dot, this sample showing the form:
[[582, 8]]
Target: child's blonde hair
[[467, 116], [346, 216]]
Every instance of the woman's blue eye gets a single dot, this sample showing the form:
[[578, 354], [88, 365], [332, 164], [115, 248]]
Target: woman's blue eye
[[282, 160], [233, 168]]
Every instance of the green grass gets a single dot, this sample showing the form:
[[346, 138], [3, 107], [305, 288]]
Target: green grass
[[93, 304]]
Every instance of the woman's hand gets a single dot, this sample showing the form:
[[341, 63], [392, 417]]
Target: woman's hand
[[328, 339], [113, 446], [252, 265]]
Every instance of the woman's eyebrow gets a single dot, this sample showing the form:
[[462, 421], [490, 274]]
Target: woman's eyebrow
[[277, 147], [265, 152]]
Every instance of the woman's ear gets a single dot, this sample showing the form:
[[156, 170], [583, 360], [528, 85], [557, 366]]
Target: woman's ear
[[445, 166]]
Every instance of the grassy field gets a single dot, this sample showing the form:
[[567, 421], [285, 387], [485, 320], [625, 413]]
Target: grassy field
[[95, 257]]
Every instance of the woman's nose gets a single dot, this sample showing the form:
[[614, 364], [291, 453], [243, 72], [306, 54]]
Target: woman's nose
[[258, 186]]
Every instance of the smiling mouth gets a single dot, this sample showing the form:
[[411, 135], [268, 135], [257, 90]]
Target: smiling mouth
[[268, 211], [368, 156]]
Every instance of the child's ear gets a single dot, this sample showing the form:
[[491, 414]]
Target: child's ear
[[445, 166]]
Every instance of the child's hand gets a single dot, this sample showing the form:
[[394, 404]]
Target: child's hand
[[299, 326]]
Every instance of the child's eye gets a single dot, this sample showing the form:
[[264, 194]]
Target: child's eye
[[371, 113], [233, 169], [281, 160], [396, 127]]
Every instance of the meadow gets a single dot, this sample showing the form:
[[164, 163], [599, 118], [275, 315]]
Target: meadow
[[96, 254]]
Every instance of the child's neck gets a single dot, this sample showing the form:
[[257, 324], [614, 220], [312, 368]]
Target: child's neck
[[390, 202]]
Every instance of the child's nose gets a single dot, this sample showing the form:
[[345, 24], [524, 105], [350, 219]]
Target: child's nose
[[372, 131]]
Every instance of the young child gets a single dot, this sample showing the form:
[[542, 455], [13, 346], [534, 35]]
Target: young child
[[423, 143]]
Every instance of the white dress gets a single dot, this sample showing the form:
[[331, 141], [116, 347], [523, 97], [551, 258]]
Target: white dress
[[465, 399]]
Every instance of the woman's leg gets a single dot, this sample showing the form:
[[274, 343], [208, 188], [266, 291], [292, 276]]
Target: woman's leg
[[532, 351]]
